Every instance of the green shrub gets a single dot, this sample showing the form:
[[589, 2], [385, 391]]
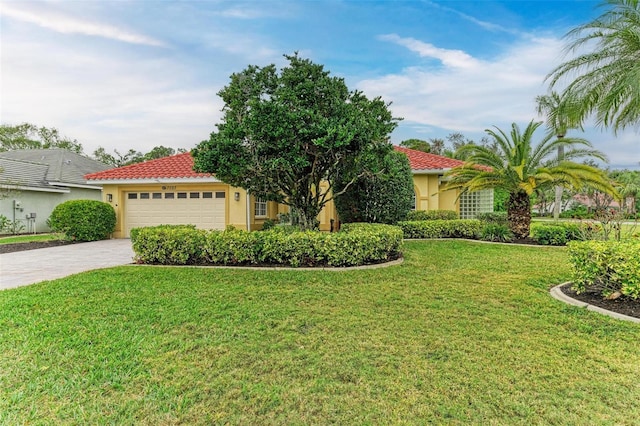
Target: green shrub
[[415, 215], [559, 233], [552, 235], [83, 220], [380, 189], [232, 247], [493, 217], [168, 244], [498, 232], [606, 266], [459, 228], [357, 244]]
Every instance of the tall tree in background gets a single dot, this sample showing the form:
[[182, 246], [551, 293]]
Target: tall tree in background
[[30, 136], [132, 156], [519, 167], [285, 136], [417, 144], [559, 118], [437, 146], [604, 80]]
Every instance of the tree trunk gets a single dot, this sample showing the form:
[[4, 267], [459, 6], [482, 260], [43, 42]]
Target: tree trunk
[[307, 217], [558, 202], [519, 214]]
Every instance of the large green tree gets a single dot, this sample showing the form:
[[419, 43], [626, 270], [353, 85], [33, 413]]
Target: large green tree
[[381, 193], [285, 135], [604, 73], [30, 136], [519, 167]]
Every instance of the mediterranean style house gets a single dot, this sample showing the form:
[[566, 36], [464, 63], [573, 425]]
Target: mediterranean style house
[[168, 191]]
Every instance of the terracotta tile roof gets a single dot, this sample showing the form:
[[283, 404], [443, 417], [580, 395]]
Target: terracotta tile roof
[[181, 166], [424, 161], [175, 166]]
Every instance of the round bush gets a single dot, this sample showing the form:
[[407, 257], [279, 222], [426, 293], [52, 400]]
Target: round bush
[[83, 220]]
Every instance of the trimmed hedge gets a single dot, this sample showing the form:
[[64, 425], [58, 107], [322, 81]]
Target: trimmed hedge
[[606, 266], [356, 244], [560, 233], [416, 215], [83, 220], [459, 228]]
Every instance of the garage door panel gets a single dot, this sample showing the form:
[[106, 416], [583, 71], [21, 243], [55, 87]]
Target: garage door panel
[[204, 213]]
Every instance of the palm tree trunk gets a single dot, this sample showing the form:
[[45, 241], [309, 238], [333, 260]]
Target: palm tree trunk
[[558, 201], [519, 214]]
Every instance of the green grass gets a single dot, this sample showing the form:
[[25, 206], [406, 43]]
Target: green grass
[[461, 333], [29, 238]]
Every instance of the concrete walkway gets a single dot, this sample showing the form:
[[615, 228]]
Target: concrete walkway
[[32, 266]]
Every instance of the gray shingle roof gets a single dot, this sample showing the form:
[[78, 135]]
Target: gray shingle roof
[[23, 173], [62, 166]]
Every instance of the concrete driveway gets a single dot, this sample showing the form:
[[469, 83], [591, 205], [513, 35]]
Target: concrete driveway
[[32, 266]]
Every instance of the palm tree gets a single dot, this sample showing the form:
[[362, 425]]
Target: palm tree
[[559, 119], [519, 168], [607, 75]]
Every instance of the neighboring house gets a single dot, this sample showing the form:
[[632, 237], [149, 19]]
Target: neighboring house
[[168, 191], [33, 182]]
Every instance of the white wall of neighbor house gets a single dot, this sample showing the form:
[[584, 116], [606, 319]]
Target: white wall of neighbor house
[[41, 204]]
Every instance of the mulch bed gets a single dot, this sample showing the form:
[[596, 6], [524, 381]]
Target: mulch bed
[[621, 305], [10, 248]]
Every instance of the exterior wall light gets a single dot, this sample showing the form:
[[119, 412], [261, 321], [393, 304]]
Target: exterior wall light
[[236, 196], [109, 197]]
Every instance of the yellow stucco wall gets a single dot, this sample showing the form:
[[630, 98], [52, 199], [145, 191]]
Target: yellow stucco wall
[[428, 195], [426, 189]]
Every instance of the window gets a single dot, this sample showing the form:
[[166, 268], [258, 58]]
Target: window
[[472, 203], [219, 194], [207, 195], [182, 195], [169, 195], [415, 201], [144, 195], [194, 195], [260, 208], [156, 195], [132, 196]]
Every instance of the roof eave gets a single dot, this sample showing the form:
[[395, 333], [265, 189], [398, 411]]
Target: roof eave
[[142, 181], [429, 171]]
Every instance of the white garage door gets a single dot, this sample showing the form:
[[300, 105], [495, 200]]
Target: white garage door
[[204, 209]]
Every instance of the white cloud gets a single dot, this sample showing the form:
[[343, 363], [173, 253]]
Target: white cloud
[[67, 25], [466, 93], [469, 95], [452, 58], [112, 102]]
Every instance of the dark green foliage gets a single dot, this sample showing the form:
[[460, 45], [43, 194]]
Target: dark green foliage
[[500, 197], [285, 133], [415, 215], [578, 211], [459, 228], [356, 244], [551, 235], [83, 220], [417, 144], [381, 193], [495, 231], [493, 217]]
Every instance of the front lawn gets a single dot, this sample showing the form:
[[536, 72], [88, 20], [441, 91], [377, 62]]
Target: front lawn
[[462, 332], [27, 238]]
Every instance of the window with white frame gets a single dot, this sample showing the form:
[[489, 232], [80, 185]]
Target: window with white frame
[[415, 201], [260, 209], [473, 203]]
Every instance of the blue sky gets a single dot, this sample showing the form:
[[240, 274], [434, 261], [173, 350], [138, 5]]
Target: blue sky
[[137, 74]]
